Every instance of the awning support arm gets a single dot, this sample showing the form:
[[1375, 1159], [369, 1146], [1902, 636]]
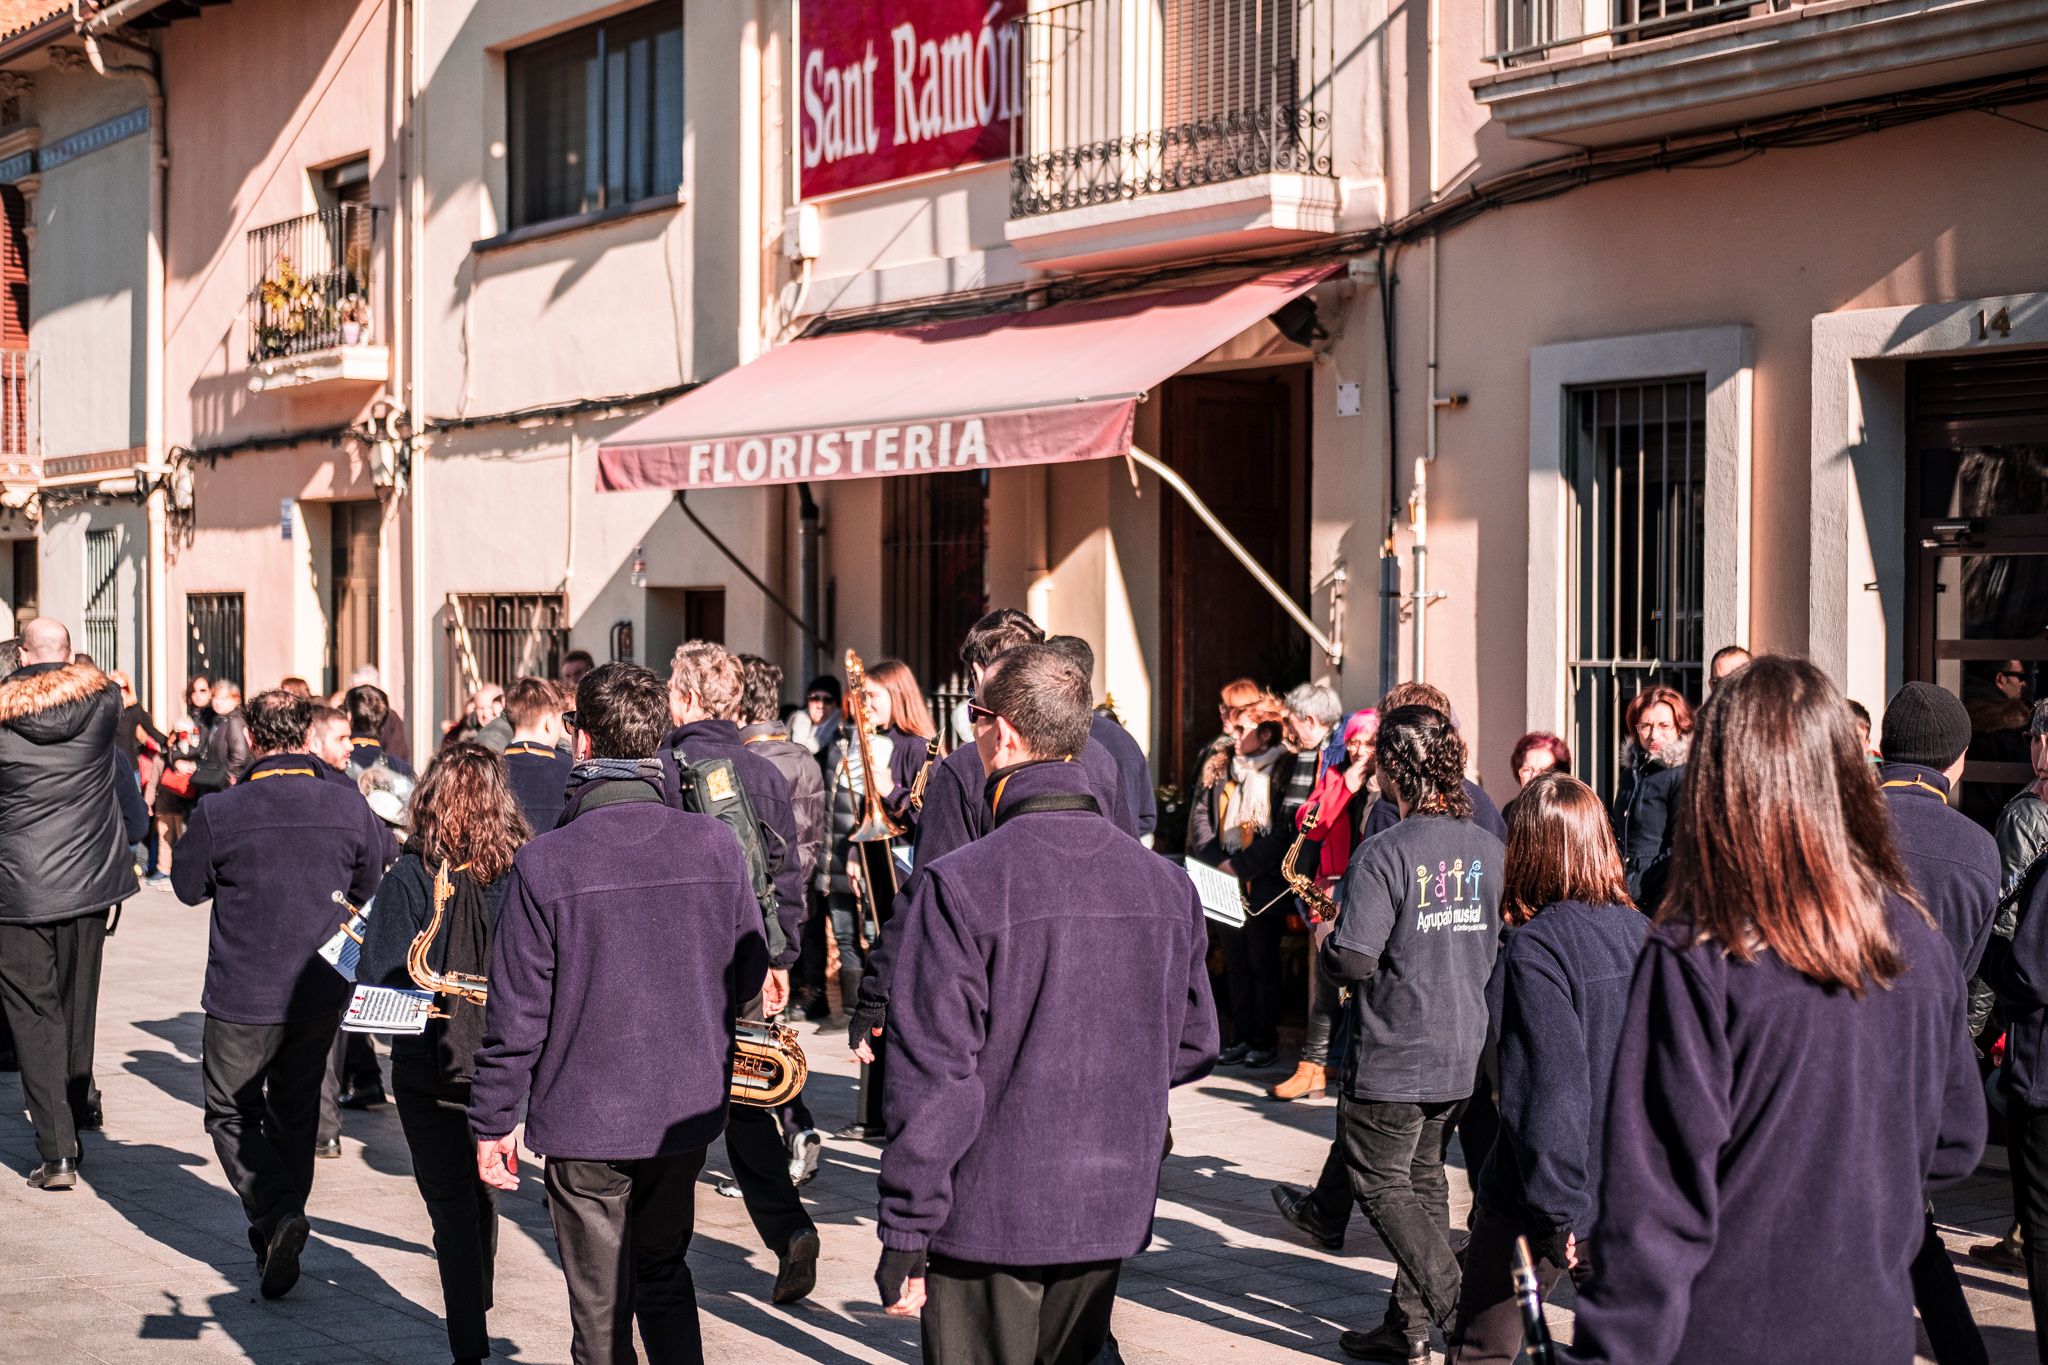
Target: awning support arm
[[752, 577], [1332, 649]]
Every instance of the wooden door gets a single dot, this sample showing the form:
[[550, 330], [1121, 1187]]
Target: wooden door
[[1242, 443], [352, 622]]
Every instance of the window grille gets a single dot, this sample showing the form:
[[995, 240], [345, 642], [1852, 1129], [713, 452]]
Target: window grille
[[213, 636], [1638, 528], [935, 579], [102, 598], [596, 116], [501, 637]]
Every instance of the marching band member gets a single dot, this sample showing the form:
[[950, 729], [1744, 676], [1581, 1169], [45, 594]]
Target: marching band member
[[464, 814], [629, 940], [1416, 941], [270, 852], [1023, 1158]]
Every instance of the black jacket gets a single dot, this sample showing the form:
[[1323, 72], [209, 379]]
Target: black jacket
[[1257, 864], [63, 851], [799, 768], [1642, 810]]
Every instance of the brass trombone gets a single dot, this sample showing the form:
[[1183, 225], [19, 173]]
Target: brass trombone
[[876, 825]]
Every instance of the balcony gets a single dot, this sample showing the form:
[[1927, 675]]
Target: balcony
[[21, 420], [310, 319], [1597, 72], [1152, 130]]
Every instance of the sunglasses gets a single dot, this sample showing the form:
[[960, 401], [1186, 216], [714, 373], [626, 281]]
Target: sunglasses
[[825, 697], [977, 714], [569, 721], [2011, 673]]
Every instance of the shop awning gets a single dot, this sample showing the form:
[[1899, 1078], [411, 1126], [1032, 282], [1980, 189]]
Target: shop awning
[[1056, 385]]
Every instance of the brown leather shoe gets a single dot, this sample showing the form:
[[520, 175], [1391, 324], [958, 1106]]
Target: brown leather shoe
[[1309, 1082]]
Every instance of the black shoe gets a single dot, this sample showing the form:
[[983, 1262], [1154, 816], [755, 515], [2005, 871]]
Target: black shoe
[[1233, 1054], [1259, 1058], [281, 1257], [361, 1099], [1390, 1345], [799, 1273], [90, 1120], [1297, 1206], [860, 1132], [329, 1150], [60, 1174]]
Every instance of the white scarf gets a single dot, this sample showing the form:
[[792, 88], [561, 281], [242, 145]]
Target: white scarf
[[1248, 799]]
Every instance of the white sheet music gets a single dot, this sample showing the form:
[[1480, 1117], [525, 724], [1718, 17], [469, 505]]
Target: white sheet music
[[383, 1009], [1222, 898]]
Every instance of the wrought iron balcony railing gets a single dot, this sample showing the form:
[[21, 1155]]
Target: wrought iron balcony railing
[[309, 282], [1124, 100], [1527, 31]]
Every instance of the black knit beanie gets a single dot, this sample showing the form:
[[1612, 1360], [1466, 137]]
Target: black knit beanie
[[1926, 725]]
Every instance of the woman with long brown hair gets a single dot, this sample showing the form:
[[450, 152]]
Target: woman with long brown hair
[[1794, 1071], [1558, 996], [465, 816], [896, 708]]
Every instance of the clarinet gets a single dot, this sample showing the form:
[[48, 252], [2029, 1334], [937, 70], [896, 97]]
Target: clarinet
[[1529, 1295]]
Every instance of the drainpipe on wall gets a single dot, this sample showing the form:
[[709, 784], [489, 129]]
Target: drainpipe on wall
[[419, 668], [156, 625]]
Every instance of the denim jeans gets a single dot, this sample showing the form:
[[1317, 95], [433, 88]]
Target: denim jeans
[[1394, 1152]]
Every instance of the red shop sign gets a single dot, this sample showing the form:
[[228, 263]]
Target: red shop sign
[[894, 88]]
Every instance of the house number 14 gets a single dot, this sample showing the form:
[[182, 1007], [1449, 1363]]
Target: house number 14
[[1999, 322]]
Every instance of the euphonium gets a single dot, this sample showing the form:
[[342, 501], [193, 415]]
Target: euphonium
[[1320, 902], [461, 985], [769, 1067], [875, 822]]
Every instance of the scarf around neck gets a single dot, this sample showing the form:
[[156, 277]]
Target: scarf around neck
[[1248, 798]]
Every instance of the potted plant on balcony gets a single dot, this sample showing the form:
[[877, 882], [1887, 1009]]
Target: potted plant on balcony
[[355, 320]]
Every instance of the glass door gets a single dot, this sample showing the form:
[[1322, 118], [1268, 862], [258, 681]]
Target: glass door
[[1977, 556]]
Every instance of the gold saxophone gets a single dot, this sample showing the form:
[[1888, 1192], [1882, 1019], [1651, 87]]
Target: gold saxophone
[[461, 985], [769, 1067], [1320, 903]]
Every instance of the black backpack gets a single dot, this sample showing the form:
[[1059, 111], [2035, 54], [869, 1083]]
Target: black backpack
[[712, 787]]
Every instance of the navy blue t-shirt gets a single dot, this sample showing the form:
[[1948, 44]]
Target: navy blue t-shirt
[[1424, 899]]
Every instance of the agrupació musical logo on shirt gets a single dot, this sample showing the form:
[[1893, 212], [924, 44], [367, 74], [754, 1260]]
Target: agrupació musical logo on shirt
[[1449, 897]]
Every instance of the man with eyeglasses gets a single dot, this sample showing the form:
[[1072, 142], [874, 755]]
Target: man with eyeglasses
[[1023, 1157]]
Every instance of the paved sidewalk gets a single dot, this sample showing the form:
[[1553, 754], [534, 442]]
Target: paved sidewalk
[[147, 1260]]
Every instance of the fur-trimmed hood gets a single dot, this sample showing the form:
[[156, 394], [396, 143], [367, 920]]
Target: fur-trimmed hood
[[51, 703]]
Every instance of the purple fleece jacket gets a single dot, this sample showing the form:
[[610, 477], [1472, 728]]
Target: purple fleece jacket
[[956, 813], [1050, 989], [1768, 1143], [768, 791], [628, 943], [271, 852]]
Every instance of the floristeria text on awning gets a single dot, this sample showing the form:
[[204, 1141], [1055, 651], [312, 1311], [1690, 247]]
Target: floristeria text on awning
[[1056, 385]]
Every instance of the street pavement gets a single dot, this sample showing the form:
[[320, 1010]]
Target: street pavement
[[146, 1260]]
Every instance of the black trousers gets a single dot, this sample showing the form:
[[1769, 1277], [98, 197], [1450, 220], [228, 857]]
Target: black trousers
[[2027, 1145], [1488, 1329], [811, 952], [1251, 965], [352, 1065], [1938, 1294], [977, 1314], [50, 990], [1395, 1154], [623, 1229], [463, 1209], [262, 1084]]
